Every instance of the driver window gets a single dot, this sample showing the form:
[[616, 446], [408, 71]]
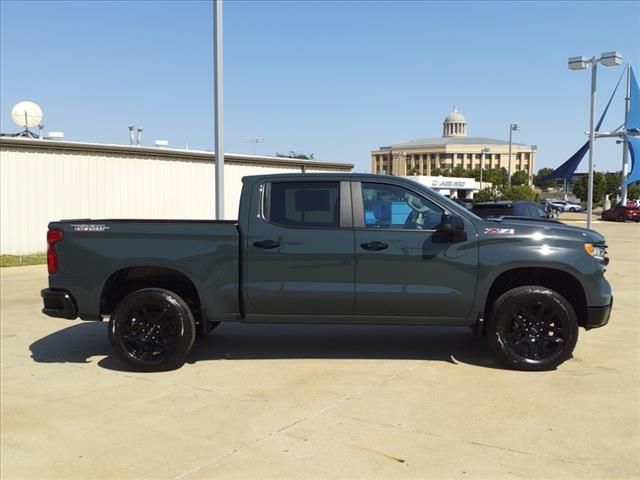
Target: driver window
[[390, 206]]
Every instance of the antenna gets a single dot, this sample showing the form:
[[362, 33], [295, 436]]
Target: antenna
[[26, 115], [254, 141]]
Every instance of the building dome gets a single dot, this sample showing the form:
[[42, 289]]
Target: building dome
[[455, 125]]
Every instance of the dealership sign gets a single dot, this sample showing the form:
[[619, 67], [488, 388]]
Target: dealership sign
[[445, 182]]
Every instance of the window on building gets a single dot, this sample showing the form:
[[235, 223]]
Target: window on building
[[304, 204], [391, 206]]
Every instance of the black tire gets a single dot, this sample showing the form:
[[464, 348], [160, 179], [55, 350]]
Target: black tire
[[532, 328], [572, 209], [152, 330]]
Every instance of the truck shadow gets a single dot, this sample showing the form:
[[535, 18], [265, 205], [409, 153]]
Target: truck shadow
[[455, 345]]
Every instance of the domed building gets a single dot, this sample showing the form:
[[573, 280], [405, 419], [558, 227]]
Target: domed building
[[453, 149]]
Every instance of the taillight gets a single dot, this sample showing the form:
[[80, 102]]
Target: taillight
[[53, 237]]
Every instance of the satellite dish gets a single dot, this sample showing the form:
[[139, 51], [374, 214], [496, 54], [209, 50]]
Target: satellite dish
[[26, 114]]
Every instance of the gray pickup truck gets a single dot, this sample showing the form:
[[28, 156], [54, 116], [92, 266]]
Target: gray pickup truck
[[324, 248]]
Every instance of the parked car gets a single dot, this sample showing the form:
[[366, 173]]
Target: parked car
[[336, 249], [508, 208], [465, 202], [552, 210], [621, 213], [565, 206]]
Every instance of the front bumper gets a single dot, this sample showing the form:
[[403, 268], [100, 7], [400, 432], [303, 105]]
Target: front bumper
[[598, 316], [59, 303]]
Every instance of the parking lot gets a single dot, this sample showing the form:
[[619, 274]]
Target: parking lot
[[258, 402]]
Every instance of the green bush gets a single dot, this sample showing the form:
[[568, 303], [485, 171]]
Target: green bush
[[518, 192]]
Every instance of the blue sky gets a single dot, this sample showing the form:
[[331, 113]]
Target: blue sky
[[334, 78]]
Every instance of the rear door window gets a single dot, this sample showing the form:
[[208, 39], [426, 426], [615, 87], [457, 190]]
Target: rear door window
[[304, 204]]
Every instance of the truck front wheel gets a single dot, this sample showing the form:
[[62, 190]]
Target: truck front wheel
[[152, 330], [532, 328]]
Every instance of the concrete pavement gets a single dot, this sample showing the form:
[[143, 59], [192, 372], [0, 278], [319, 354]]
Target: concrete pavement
[[258, 402]]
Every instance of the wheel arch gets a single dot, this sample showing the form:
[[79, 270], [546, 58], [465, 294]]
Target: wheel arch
[[560, 281], [127, 279]]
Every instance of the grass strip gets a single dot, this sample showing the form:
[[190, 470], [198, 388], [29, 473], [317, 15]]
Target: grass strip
[[22, 260]]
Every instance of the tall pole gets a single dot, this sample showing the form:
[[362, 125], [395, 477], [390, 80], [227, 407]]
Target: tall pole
[[481, 164], [217, 101], [510, 139], [625, 139], [594, 70]]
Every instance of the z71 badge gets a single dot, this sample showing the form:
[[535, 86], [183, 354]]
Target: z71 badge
[[89, 227], [499, 231]]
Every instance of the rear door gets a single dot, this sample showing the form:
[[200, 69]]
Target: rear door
[[405, 267], [300, 250]]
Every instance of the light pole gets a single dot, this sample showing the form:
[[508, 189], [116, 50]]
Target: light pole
[[625, 146], [534, 149], [514, 127], [608, 59], [482, 152], [217, 106]]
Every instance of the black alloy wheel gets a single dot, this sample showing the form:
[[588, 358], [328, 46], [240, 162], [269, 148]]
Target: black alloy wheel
[[152, 330], [532, 328]]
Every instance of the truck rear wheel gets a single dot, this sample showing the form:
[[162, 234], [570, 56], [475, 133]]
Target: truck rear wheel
[[532, 328], [152, 330]]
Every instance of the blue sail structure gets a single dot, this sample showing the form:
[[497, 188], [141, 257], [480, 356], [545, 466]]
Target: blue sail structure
[[634, 149], [567, 169], [632, 126]]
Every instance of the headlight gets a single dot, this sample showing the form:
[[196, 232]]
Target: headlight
[[596, 251]]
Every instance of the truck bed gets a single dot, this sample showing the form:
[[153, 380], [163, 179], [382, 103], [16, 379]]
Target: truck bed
[[94, 252]]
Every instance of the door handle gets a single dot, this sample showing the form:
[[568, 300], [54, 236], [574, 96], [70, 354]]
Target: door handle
[[266, 244], [375, 246]]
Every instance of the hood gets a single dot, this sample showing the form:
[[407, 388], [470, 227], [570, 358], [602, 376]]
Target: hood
[[550, 229]]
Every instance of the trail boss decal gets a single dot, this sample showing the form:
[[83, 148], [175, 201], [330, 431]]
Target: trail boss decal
[[89, 228], [499, 231]]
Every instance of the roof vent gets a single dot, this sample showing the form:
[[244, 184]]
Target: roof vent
[[161, 143], [55, 136]]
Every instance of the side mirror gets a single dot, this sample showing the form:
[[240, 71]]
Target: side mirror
[[451, 229], [451, 223]]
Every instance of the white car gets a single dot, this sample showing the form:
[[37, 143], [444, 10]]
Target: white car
[[567, 206]]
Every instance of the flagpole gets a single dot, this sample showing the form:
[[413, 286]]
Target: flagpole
[[625, 139]]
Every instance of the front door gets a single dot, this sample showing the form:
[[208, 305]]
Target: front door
[[300, 251], [405, 267]]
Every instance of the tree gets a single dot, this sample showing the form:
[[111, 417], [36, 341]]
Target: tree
[[497, 176], [520, 178], [436, 172], [458, 172], [633, 191], [613, 182], [599, 187], [487, 194], [544, 184], [519, 192]]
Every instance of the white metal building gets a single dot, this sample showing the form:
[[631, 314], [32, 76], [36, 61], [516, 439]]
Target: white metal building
[[43, 180]]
